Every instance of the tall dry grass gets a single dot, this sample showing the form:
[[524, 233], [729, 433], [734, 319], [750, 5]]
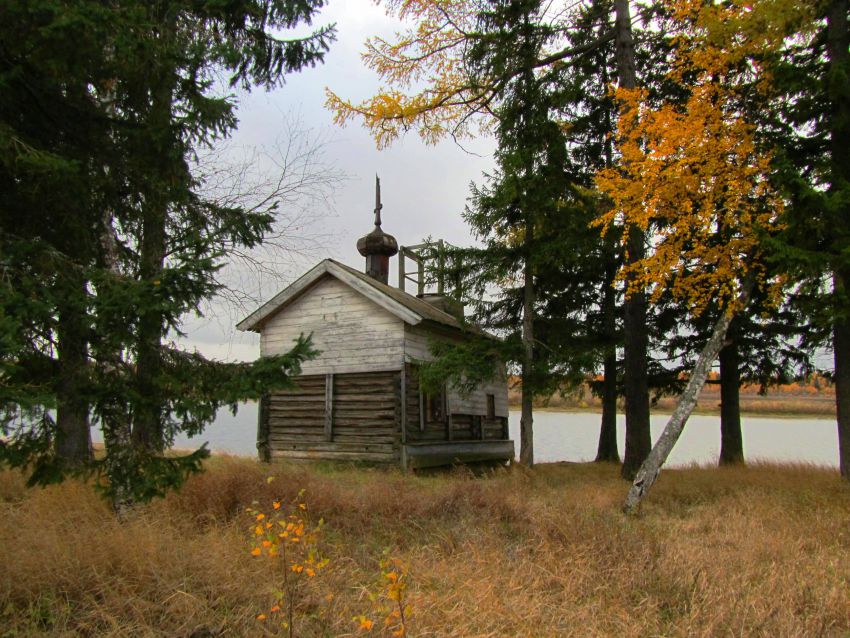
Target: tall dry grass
[[756, 551]]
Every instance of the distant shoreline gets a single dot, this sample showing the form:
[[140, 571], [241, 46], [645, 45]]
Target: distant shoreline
[[665, 410], [815, 400]]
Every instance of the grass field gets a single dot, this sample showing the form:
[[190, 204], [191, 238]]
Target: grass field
[[755, 551]]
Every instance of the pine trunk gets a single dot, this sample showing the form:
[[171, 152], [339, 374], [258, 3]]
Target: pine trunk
[[73, 436], [636, 338], [838, 43], [607, 450], [731, 439], [526, 429], [147, 418]]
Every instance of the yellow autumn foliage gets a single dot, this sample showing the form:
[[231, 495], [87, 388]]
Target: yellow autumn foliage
[[691, 174], [429, 54]]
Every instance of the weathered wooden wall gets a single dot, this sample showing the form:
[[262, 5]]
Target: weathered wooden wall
[[361, 425], [464, 426], [424, 430], [349, 403], [352, 333], [416, 340]]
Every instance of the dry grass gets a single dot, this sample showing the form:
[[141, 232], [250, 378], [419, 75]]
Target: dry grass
[[756, 551]]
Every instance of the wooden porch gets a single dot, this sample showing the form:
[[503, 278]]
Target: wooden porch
[[434, 454]]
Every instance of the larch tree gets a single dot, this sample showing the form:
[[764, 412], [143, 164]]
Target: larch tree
[[694, 169], [588, 112], [429, 88], [458, 96], [534, 277]]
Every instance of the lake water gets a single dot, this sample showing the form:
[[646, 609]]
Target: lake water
[[573, 436]]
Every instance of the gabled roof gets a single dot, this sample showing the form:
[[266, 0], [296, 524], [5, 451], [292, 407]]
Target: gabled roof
[[408, 308]]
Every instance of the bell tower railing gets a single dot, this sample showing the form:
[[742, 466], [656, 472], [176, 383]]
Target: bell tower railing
[[428, 262]]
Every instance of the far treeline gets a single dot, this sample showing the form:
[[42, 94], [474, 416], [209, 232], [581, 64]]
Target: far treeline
[[672, 182]]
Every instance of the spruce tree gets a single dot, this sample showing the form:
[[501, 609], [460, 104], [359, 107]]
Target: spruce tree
[[810, 127], [590, 112], [538, 278], [141, 246]]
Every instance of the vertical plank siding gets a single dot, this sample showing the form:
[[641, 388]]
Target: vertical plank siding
[[416, 430], [329, 406], [263, 451]]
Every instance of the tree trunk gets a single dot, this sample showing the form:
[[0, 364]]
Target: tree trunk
[[636, 378], [841, 355], [73, 436], [636, 339], [114, 413], [147, 426], [119, 461], [648, 472], [731, 439], [607, 450], [624, 45], [147, 418], [838, 42], [526, 436]]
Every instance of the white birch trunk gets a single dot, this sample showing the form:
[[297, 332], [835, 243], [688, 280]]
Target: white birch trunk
[[648, 472]]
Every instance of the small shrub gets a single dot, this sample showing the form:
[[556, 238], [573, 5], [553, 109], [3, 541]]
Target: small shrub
[[285, 535], [389, 599]]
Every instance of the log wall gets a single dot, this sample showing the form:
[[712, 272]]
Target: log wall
[[350, 417], [348, 403], [419, 427]]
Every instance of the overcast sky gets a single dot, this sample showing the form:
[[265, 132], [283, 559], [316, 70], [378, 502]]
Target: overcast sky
[[424, 188]]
